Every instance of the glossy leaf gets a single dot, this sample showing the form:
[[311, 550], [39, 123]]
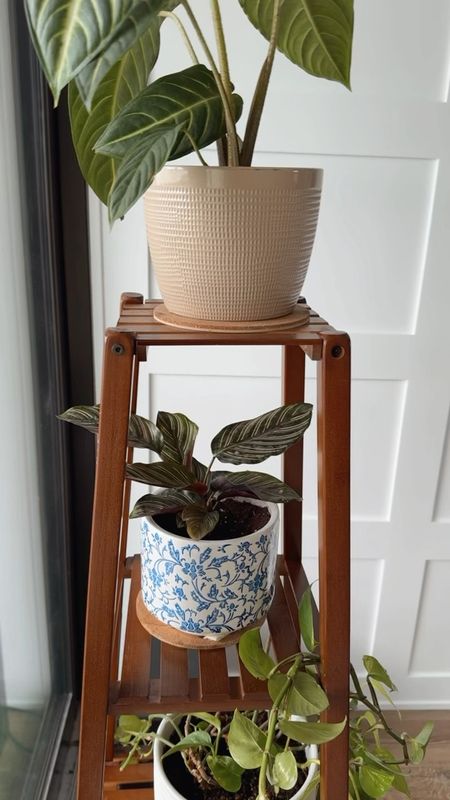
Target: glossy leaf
[[138, 168], [374, 781], [179, 434], [199, 470], [314, 34], [199, 521], [259, 484], [376, 670], [312, 732], [253, 655], [141, 432], [306, 697], [192, 740], [306, 620], [226, 771], [167, 474], [189, 98], [67, 35], [211, 719], [276, 684], [270, 434], [284, 770], [246, 742], [123, 82], [169, 501]]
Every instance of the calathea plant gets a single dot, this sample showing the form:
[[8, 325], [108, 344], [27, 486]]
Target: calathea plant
[[190, 489], [265, 750], [124, 130]]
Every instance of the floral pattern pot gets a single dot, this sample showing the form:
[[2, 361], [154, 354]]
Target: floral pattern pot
[[209, 588], [165, 791]]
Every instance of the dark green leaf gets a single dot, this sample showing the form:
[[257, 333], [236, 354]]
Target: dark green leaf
[[138, 168], [314, 34], [306, 619], [87, 417], [167, 474], [169, 501], [375, 781], [262, 486], [246, 742], [270, 434], [226, 772], [312, 732], [141, 432], [179, 434], [377, 671], [284, 770], [253, 655], [189, 98], [199, 470], [199, 521]]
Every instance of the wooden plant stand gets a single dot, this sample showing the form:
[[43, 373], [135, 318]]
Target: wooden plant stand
[[157, 676]]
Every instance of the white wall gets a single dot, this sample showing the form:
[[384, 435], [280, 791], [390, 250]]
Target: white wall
[[380, 270], [23, 632]]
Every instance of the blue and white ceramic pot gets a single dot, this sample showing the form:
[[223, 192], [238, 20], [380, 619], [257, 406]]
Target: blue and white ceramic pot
[[209, 588]]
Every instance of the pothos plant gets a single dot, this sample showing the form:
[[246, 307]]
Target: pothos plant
[[191, 490], [217, 751], [124, 130]]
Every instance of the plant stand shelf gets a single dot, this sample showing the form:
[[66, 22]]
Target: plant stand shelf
[[155, 676]]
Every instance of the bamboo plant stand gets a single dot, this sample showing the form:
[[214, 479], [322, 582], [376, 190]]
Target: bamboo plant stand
[[158, 676]]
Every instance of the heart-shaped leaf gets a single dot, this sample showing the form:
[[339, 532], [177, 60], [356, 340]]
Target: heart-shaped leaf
[[199, 521], [67, 35], [179, 434], [192, 740], [374, 780], [141, 432], [124, 81], [306, 619], [188, 98], [284, 770], [170, 501], [378, 672], [226, 771], [246, 742], [306, 697], [312, 732], [258, 484], [254, 440], [167, 474], [314, 34], [253, 655]]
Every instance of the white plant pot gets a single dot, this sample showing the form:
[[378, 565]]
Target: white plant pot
[[209, 588], [165, 791], [232, 243]]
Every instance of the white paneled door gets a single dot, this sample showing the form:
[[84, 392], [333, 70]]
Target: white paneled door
[[380, 269]]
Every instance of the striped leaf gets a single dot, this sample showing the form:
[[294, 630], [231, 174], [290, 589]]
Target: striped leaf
[[179, 434], [258, 484], [67, 34], [141, 432], [254, 440], [314, 34], [189, 97], [123, 82], [199, 521], [170, 501], [167, 474]]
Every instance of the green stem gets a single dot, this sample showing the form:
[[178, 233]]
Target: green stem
[[375, 708], [259, 97], [221, 49], [184, 33], [233, 150], [205, 164]]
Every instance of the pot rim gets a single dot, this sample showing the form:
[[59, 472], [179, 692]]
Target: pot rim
[[271, 523], [217, 168]]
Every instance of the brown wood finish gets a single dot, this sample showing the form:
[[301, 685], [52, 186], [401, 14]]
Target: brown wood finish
[[333, 429], [216, 688]]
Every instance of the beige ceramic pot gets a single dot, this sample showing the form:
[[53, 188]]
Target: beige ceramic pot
[[232, 243]]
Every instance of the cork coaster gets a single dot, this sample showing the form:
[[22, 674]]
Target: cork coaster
[[299, 317], [191, 641]]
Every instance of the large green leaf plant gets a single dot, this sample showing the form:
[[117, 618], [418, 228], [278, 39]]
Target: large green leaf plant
[[182, 485], [124, 130], [218, 751]]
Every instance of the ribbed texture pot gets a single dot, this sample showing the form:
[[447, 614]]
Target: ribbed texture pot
[[232, 243]]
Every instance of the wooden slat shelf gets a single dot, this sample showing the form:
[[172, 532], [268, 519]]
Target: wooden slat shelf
[[189, 681]]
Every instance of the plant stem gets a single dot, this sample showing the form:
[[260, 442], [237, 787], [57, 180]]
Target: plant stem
[[205, 164], [221, 48], [259, 97], [184, 33], [233, 150]]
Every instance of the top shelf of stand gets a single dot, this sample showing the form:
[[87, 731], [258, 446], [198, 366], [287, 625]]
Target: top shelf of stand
[[137, 318]]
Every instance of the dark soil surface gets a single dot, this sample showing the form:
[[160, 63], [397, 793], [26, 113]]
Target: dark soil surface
[[236, 519]]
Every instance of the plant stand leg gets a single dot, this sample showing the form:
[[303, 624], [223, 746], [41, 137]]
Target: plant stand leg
[[333, 430], [105, 542], [293, 392]]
